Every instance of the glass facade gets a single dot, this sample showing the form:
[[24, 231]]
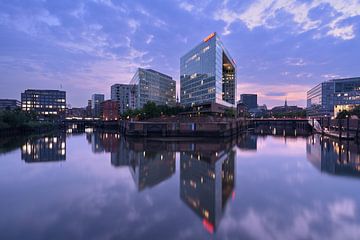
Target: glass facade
[[96, 100], [149, 85], [322, 99], [45, 103], [208, 74]]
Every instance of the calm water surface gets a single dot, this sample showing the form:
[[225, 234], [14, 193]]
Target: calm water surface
[[273, 184]]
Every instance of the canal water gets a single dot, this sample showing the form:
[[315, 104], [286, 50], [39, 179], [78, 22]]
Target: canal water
[[270, 184]]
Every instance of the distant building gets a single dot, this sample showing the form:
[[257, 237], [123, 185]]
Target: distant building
[[150, 85], [333, 95], [285, 109], [241, 109], [110, 110], [76, 112], [96, 100], [250, 100], [208, 74], [9, 104], [124, 94], [45, 103], [88, 109]]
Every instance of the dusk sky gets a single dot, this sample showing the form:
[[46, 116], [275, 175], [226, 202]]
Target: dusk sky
[[282, 48]]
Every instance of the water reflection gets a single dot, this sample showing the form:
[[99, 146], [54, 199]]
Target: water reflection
[[124, 188], [334, 157], [207, 180], [207, 168], [44, 149]]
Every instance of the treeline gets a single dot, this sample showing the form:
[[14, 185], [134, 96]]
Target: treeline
[[20, 120], [151, 110]]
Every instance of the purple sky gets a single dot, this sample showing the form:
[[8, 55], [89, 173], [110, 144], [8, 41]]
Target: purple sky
[[282, 48]]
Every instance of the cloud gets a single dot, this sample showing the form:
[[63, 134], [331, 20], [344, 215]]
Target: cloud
[[31, 24], [344, 208], [149, 39], [272, 93], [186, 6], [295, 62], [133, 24], [276, 94], [267, 14]]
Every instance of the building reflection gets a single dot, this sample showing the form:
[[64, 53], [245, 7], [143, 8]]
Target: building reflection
[[44, 149], [207, 180], [151, 162], [334, 157], [103, 141], [207, 168], [247, 142]]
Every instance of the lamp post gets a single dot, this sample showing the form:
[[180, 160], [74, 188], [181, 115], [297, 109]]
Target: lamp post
[[347, 125]]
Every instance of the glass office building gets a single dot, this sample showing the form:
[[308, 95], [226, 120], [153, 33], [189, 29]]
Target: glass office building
[[45, 103], [96, 100], [208, 74], [326, 97], [153, 86]]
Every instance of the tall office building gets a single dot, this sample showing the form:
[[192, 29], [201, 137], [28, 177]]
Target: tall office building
[[96, 100], [250, 100], [208, 74], [330, 97], [124, 94], [45, 103], [150, 85]]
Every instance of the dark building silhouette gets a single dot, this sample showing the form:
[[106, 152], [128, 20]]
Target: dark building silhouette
[[250, 100], [9, 104], [247, 142]]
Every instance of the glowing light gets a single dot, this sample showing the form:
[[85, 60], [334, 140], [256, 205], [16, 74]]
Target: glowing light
[[209, 37], [208, 226]]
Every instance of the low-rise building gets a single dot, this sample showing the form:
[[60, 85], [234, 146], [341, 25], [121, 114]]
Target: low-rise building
[[340, 94], [47, 104], [9, 104], [110, 110]]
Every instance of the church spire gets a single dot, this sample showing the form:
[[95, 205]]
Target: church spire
[[286, 102]]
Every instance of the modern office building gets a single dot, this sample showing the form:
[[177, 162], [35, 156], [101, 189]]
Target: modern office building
[[333, 95], [45, 103], [124, 94], [208, 74], [110, 110], [96, 100], [9, 104], [153, 86], [250, 100]]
